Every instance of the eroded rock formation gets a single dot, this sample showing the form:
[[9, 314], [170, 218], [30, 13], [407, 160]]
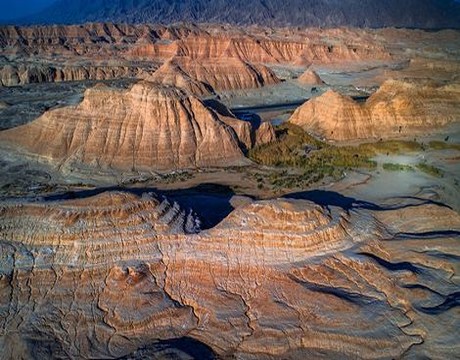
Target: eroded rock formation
[[127, 44], [107, 275], [170, 73], [298, 48], [265, 134], [310, 77], [11, 75], [202, 76], [148, 127], [398, 108]]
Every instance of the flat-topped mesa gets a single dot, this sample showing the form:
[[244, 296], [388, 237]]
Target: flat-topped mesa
[[397, 109], [219, 74], [310, 77], [148, 127]]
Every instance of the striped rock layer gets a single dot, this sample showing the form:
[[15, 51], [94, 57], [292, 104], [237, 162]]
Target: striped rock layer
[[114, 275], [398, 108], [148, 127]]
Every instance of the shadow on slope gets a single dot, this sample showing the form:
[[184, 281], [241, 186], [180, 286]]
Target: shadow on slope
[[332, 198], [211, 202], [177, 349]]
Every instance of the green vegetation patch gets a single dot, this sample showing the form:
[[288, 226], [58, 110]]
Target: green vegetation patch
[[397, 167], [430, 170], [177, 176], [295, 148], [312, 160], [391, 147], [443, 145]]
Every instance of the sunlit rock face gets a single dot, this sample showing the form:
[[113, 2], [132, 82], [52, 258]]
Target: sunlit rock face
[[256, 47], [170, 73], [398, 108], [103, 50], [310, 77], [118, 275], [202, 77], [149, 127]]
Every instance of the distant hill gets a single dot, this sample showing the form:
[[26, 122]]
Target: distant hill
[[428, 14]]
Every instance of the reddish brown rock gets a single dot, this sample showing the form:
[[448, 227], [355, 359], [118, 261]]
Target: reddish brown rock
[[148, 127], [56, 47], [201, 76], [265, 134], [398, 108], [172, 74], [281, 46], [310, 77], [108, 275]]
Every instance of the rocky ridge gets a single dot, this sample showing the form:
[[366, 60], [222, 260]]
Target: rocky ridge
[[49, 53], [13, 75], [280, 278], [214, 74], [148, 127], [398, 108]]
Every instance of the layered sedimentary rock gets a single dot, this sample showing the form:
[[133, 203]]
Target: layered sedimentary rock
[[310, 77], [86, 39], [12, 75], [102, 51], [299, 48], [170, 73], [333, 116], [199, 76], [111, 275], [148, 127], [123, 42], [398, 108], [265, 134]]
